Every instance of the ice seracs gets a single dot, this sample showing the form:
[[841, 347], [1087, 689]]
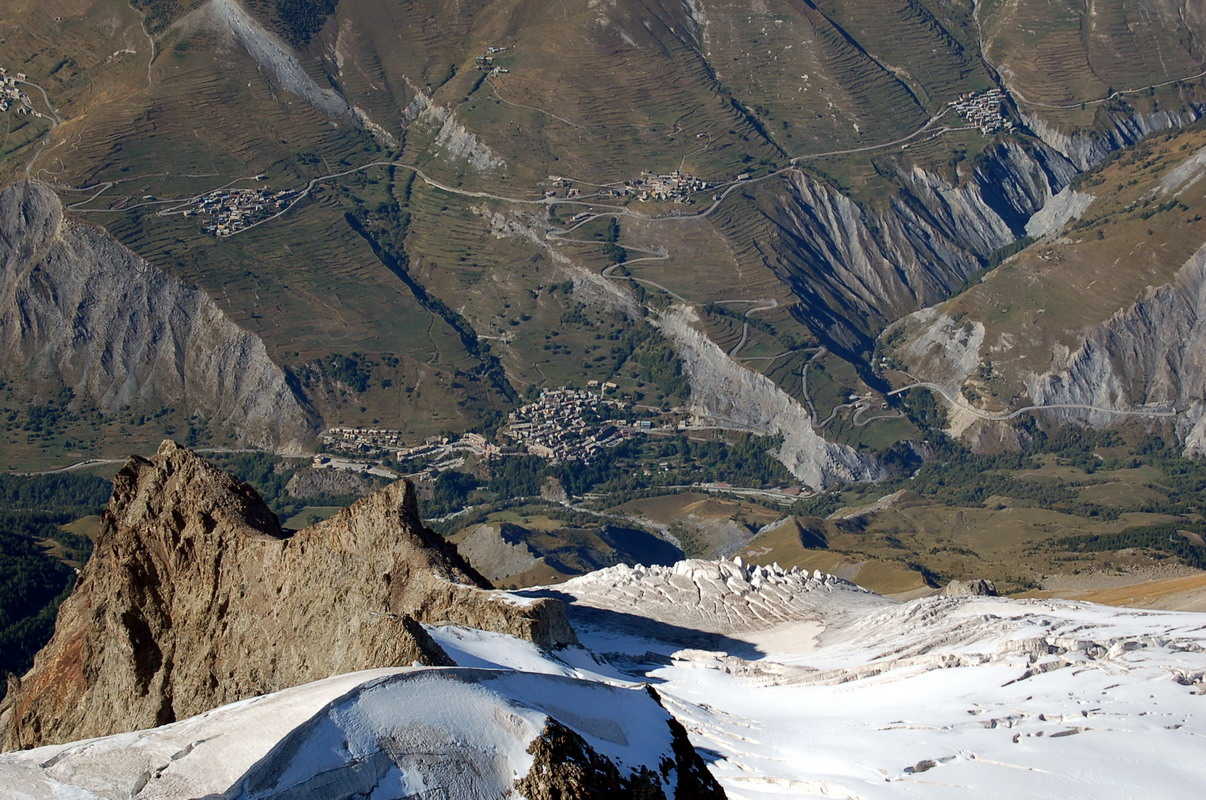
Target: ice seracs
[[719, 597]]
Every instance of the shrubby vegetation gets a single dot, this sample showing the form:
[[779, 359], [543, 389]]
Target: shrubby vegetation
[[65, 490], [32, 584]]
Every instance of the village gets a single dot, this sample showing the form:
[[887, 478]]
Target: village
[[369, 445], [11, 96], [561, 425], [486, 63], [985, 110], [675, 187], [568, 424], [234, 210]]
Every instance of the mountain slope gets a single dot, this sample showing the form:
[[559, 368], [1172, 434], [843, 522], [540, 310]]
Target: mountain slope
[[423, 245], [491, 733], [195, 597], [79, 311], [1098, 318]]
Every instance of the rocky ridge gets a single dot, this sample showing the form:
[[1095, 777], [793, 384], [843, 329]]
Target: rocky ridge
[[77, 309], [1119, 129], [195, 597]]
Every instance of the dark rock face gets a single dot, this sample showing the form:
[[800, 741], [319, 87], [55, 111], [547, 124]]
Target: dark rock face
[[195, 597], [856, 268], [566, 768]]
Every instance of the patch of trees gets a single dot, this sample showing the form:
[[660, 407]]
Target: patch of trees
[[32, 584], [352, 371], [653, 360], [1164, 538], [302, 19], [517, 476], [33, 581], [955, 476], [64, 491], [818, 505]]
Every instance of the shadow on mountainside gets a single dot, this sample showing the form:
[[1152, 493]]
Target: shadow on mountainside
[[639, 627]]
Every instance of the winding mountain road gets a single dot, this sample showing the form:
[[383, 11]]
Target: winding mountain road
[[1002, 417]]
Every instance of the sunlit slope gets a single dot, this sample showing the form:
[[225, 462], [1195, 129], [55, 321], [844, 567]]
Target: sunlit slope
[[1057, 55], [451, 283], [1098, 321]]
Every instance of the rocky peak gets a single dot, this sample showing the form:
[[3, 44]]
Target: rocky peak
[[195, 597], [176, 490], [976, 587]]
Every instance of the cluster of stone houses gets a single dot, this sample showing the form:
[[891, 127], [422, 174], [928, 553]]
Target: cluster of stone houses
[[561, 425], [485, 63], [567, 425], [11, 96], [361, 440], [678, 187], [389, 442], [234, 210], [985, 110], [674, 186]]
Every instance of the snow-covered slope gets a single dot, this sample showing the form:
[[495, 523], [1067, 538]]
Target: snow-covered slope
[[848, 695], [398, 733], [789, 684]]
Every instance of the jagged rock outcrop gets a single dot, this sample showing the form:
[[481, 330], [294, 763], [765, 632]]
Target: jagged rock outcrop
[[499, 550], [78, 309], [1116, 129], [975, 587], [195, 597], [713, 597], [320, 482], [564, 765]]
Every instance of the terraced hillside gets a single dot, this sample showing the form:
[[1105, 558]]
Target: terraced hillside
[[455, 229]]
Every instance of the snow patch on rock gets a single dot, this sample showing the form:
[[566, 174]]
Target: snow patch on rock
[[461, 732]]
